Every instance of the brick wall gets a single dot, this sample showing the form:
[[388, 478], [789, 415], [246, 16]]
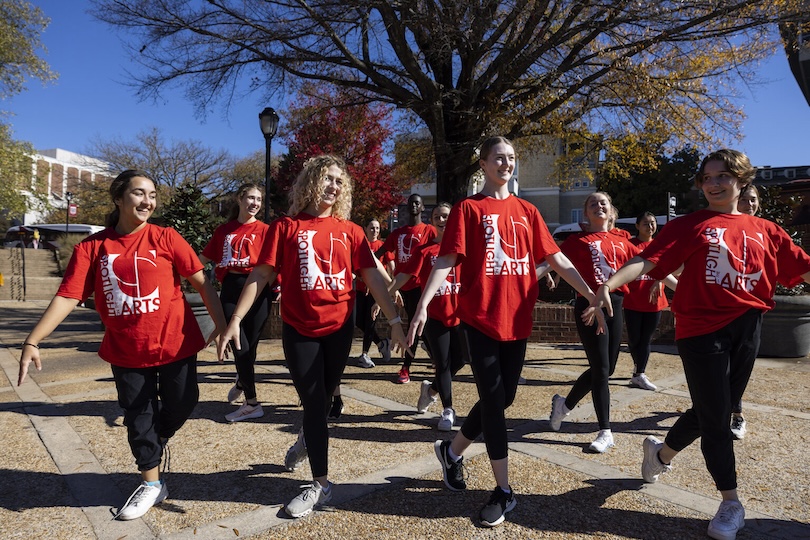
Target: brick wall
[[553, 323]]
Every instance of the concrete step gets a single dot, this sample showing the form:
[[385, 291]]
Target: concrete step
[[36, 288]]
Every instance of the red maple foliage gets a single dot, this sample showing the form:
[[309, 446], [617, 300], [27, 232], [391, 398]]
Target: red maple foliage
[[327, 122]]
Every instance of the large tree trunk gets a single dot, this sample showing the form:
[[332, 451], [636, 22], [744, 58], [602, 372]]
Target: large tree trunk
[[454, 145]]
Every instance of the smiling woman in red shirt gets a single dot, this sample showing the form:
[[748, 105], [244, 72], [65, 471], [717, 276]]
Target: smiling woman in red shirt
[[731, 263], [316, 250], [151, 338]]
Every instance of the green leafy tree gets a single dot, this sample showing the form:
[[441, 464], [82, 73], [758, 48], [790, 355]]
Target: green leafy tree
[[20, 27], [465, 69], [639, 185], [189, 212]]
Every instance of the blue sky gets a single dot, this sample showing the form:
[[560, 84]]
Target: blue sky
[[90, 101]]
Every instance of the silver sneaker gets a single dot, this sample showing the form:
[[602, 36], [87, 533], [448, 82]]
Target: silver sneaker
[[738, 427], [303, 503], [364, 360], [425, 399], [141, 500], [384, 347], [297, 454], [235, 393], [729, 519], [447, 419], [604, 440], [641, 381], [245, 412], [558, 412], [651, 466]]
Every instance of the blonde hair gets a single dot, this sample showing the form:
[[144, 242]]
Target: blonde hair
[[308, 187]]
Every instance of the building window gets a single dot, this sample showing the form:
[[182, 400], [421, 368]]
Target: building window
[[585, 183], [576, 215]]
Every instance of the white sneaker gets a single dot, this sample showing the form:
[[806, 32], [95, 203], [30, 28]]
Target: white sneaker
[[235, 393], [297, 454], [245, 412], [365, 361], [604, 440], [384, 347], [303, 503], [425, 399], [558, 412], [641, 381], [651, 466], [738, 427], [729, 519], [447, 419], [141, 500]]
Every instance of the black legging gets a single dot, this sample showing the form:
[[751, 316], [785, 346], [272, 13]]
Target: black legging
[[496, 366], [362, 319], [250, 328], [316, 366], [602, 351], [717, 368], [641, 326], [411, 298], [447, 346]]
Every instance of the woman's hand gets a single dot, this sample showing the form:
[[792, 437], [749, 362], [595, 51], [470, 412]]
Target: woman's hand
[[417, 326], [231, 333], [28, 354]]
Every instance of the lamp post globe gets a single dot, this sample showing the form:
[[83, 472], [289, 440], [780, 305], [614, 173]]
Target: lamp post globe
[[268, 123]]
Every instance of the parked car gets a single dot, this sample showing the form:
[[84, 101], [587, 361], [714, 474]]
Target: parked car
[[49, 233]]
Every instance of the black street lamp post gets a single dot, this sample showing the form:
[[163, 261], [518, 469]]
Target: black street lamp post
[[268, 122], [68, 198]]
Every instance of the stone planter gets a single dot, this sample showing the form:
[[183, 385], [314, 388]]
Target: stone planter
[[786, 328]]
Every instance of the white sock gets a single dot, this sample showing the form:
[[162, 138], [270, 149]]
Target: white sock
[[452, 455]]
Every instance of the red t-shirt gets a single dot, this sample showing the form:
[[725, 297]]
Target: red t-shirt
[[316, 258], [234, 247], [597, 255], [136, 282], [731, 264], [403, 241], [375, 245], [638, 297], [444, 305], [499, 241]]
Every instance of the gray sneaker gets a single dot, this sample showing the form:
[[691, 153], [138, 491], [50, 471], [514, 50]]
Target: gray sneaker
[[447, 419], [425, 399], [141, 500], [297, 454], [651, 466], [384, 346], [235, 393], [729, 519], [303, 503], [364, 361], [738, 427], [558, 412]]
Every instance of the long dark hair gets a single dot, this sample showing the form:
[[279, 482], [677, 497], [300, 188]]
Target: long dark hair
[[117, 189], [233, 213]]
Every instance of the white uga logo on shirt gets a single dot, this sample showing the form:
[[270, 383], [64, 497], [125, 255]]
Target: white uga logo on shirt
[[311, 275], [502, 257], [127, 297], [602, 268], [449, 285], [232, 251], [733, 270], [405, 246]]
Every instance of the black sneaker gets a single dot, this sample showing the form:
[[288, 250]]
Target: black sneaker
[[337, 407], [453, 471], [494, 512]]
